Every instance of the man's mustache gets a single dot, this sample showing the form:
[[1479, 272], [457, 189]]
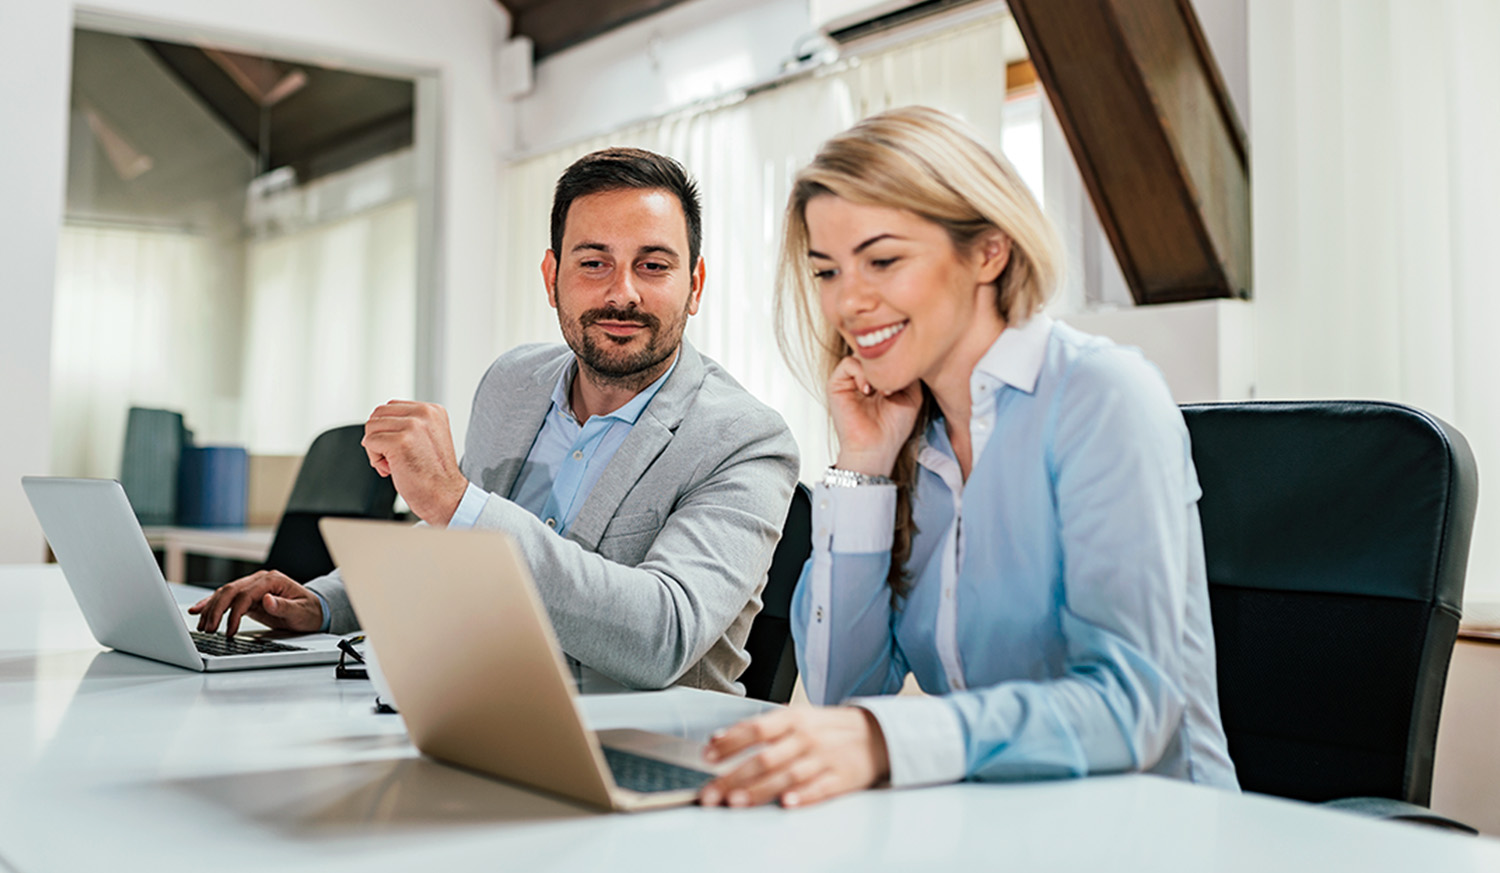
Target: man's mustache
[[644, 319]]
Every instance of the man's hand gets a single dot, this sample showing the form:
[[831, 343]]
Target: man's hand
[[807, 754], [271, 598], [412, 443]]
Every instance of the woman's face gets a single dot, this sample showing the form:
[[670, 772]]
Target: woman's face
[[910, 304]]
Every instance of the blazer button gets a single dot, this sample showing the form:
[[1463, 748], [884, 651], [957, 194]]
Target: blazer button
[[551, 522]]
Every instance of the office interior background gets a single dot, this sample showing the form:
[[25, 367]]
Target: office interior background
[[151, 261]]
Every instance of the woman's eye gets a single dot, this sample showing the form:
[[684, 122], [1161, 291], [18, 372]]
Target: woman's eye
[[825, 274], [882, 263]]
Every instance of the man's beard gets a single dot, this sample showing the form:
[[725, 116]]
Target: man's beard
[[605, 358]]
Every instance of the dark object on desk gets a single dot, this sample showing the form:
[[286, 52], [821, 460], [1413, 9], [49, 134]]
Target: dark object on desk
[[1336, 535], [773, 659], [335, 479], [213, 484], [351, 662], [154, 439]]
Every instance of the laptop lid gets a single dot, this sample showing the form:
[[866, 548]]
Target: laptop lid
[[119, 586], [465, 644], [110, 567]]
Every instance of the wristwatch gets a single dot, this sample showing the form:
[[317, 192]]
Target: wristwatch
[[834, 477]]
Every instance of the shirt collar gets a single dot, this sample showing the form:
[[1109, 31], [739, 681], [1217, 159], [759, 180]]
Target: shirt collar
[[630, 413], [1017, 354]]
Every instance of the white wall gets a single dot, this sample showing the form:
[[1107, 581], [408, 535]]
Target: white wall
[[453, 39], [690, 52]]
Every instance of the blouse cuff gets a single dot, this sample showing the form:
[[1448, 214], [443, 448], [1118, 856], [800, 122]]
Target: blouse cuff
[[859, 520], [924, 740]]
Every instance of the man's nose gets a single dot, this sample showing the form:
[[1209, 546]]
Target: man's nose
[[622, 292]]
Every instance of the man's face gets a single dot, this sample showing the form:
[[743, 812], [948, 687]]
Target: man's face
[[621, 285]]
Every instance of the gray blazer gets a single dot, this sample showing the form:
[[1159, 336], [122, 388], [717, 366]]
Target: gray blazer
[[660, 573]]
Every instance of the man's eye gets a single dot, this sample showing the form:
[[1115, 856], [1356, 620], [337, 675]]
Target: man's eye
[[654, 267], [591, 265]]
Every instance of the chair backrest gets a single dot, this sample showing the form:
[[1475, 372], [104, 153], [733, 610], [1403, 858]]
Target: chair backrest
[[154, 440], [1336, 535], [335, 479], [773, 658]]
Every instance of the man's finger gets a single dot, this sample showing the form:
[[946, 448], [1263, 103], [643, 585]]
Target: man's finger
[[241, 604]]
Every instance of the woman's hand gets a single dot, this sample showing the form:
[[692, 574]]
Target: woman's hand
[[872, 425], [807, 754]]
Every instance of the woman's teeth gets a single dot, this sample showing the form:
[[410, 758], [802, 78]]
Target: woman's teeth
[[876, 337]]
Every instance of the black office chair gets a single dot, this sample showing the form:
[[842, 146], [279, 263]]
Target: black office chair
[[335, 479], [773, 658], [1336, 535]]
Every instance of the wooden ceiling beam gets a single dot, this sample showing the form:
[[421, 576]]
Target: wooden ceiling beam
[[554, 26], [1157, 141]]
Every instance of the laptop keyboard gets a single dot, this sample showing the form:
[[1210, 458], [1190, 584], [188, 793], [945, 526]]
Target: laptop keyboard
[[648, 775], [218, 644]]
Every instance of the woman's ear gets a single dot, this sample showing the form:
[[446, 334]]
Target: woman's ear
[[994, 254]]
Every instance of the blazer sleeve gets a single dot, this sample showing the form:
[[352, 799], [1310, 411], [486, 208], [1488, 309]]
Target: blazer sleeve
[[646, 625]]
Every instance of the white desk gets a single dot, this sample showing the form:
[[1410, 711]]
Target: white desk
[[241, 543], [109, 762]]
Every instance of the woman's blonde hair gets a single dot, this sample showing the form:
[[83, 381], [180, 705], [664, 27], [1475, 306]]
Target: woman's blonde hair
[[930, 164]]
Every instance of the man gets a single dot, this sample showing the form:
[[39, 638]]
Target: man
[[646, 488]]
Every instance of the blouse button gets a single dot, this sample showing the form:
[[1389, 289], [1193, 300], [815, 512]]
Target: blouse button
[[819, 614]]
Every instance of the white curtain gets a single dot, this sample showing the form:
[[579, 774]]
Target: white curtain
[[142, 317], [1374, 124], [264, 344], [744, 156], [329, 326]]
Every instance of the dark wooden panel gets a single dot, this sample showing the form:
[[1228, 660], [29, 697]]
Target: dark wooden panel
[[554, 25], [1149, 121]]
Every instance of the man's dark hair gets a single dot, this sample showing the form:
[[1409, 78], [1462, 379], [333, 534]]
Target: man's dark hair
[[615, 168]]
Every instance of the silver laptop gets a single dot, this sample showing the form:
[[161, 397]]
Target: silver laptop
[[465, 645], [120, 589]]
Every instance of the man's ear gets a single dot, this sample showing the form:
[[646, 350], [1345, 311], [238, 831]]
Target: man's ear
[[696, 294], [549, 276]]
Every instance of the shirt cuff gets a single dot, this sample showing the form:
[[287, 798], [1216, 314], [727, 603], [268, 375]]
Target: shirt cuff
[[469, 508], [861, 520], [924, 740], [327, 613]]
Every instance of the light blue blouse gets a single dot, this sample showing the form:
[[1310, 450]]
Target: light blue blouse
[[1059, 605]]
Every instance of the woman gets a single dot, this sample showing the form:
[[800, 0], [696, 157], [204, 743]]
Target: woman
[[1012, 517]]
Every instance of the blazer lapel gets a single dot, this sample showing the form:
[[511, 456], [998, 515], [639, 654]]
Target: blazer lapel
[[648, 439]]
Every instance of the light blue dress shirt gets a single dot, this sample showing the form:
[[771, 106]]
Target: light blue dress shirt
[[565, 462], [566, 459], [1058, 609]]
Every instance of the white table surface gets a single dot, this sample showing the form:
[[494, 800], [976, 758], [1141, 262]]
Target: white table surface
[[109, 762]]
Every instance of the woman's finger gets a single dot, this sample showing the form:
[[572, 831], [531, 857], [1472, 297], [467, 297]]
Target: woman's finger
[[821, 787], [799, 771]]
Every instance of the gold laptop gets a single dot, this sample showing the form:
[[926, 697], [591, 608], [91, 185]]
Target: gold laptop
[[465, 645]]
